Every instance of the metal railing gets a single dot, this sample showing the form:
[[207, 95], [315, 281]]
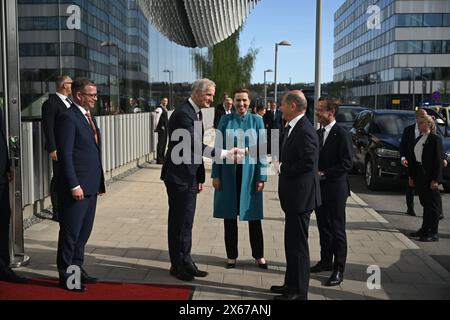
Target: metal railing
[[125, 139]]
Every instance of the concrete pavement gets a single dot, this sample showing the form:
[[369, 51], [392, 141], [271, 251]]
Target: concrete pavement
[[129, 244]]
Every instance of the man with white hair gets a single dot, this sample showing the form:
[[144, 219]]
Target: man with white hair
[[184, 177]]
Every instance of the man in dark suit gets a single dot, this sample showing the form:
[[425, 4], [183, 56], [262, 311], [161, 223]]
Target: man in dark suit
[[6, 273], [225, 108], [56, 104], [161, 127], [184, 175], [335, 162], [273, 119], [410, 134], [78, 145], [299, 193]]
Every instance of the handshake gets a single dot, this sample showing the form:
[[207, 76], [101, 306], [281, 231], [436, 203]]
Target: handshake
[[236, 155]]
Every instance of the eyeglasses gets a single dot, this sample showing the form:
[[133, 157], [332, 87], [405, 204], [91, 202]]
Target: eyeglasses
[[92, 95]]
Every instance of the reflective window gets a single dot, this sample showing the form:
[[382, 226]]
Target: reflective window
[[432, 20], [409, 46], [432, 47], [446, 20], [409, 20]]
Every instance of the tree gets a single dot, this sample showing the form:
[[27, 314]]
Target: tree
[[225, 67]]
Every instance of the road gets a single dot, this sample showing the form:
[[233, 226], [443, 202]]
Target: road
[[390, 203]]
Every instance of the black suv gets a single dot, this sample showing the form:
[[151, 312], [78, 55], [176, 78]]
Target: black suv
[[347, 115], [376, 136]]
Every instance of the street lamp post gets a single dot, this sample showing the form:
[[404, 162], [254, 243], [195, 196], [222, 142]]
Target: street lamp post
[[413, 75], [112, 44], [317, 86], [265, 86], [282, 43], [170, 72]]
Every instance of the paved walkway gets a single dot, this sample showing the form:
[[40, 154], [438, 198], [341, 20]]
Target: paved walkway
[[129, 243]]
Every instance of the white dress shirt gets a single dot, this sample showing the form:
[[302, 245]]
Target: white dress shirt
[[418, 148], [327, 131], [64, 99]]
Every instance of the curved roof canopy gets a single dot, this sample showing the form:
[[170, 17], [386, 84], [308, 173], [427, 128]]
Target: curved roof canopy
[[197, 23]]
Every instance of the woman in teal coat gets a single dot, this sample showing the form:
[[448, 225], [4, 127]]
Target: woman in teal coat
[[239, 186]]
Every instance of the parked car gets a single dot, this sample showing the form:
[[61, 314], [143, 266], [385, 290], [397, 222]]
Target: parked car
[[376, 136], [347, 115]]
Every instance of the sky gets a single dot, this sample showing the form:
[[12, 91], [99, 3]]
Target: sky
[[273, 21]]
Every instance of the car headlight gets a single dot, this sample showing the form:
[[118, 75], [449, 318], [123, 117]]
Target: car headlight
[[387, 153]]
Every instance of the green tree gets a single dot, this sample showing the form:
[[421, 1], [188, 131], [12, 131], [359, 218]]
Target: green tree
[[225, 67]]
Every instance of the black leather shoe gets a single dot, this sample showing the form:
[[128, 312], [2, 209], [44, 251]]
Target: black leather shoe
[[63, 285], [8, 275], [289, 296], [192, 269], [411, 213], [182, 274], [419, 233], [230, 264], [279, 289], [335, 279], [320, 267], [441, 216], [87, 279], [429, 238]]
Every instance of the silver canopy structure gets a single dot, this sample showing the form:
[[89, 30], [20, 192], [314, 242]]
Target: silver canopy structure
[[197, 23]]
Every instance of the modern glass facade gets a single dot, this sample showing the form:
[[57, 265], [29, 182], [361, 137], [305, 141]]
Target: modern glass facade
[[402, 61], [110, 42]]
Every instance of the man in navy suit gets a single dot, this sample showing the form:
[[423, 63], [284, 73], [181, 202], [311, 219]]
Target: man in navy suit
[[299, 193], [6, 273], [335, 162], [273, 119], [78, 145], [56, 104], [184, 175]]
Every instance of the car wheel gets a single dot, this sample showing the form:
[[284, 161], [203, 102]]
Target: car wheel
[[371, 175]]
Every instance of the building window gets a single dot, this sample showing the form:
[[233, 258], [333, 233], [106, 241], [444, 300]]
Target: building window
[[409, 47], [432, 20], [446, 20], [432, 47], [409, 20]]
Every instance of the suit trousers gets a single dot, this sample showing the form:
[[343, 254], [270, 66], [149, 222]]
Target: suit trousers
[[5, 217], [161, 147], [54, 186], [431, 202], [331, 223], [76, 220], [297, 253], [182, 203], [410, 198]]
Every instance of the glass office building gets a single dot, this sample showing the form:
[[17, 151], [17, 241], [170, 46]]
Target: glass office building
[[399, 62], [110, 42]]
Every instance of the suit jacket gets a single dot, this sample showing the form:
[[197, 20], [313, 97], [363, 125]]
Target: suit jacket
[[407, 143], [188, 171], [218, 113], [272, 123], [335, 157], [431, 159], [78, 154], [4, 156], [51, 110], [298, 184], [163, 122]]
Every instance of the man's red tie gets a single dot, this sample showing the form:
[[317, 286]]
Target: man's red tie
[[88, 115]]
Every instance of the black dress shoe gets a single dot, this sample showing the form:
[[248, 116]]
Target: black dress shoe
[[231, 264], [320, 267], [335, 279], [8, 275], [411, 213], [441, 216], [279, 289], [192, 269], [429, 238], [181, 274], [63, 285], [87, 279], [419, 233], [289, 296]]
